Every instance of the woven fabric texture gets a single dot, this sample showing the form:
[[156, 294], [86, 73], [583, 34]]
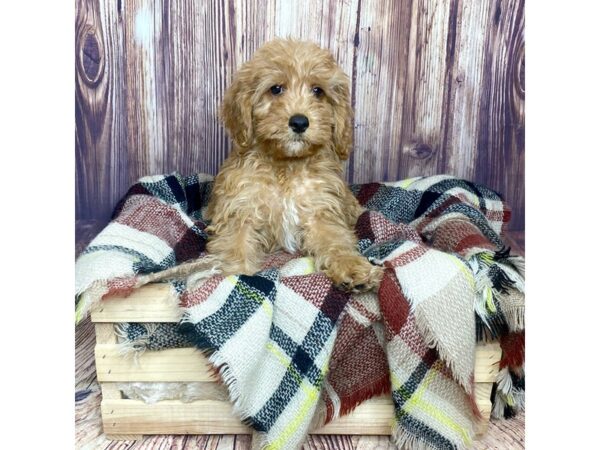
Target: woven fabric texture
[[294, 350]]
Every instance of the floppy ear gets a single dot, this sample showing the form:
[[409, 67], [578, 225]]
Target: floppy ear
[[236, 110], [342, 111]]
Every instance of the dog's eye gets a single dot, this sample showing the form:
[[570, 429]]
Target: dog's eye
[[277, 89], [317, 91]]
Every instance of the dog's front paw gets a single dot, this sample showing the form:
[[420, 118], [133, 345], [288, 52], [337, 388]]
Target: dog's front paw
[[354, 273]]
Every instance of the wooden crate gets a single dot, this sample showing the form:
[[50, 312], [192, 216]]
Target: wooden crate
[[131, 419]]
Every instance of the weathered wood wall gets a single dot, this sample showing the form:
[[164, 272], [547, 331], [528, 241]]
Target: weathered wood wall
[[438, 86]]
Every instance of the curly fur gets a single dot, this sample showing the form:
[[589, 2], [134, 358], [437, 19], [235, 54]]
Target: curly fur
[[284, 190]]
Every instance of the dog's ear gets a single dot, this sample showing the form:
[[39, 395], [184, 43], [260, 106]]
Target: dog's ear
[[236, 110], [342, 111]]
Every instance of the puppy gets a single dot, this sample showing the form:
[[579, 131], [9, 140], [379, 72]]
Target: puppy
[[288, 112]]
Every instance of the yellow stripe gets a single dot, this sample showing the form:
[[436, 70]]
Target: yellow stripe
[[416, 401], [461, 266], [489, 299], [312, 395], [265, 304], [406, 183], [78, 312], [285, 362], [510, 400], [486, 258], [310, 265], [292, 427]]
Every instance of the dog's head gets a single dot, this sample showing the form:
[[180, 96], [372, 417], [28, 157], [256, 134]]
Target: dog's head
[[292, 100]]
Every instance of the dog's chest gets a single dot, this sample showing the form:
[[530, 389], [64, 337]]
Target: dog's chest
[[290, 225], [292, 208]]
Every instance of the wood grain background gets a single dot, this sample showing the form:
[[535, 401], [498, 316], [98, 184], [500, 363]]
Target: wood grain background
[[437, 87]]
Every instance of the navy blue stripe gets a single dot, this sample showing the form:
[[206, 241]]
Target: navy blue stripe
[[286, 343], [478, 219], [272, 409], [302, 362], [396, 204], [176, 188], [428, 199], [290, 348], [415, 427], [220, 326], [143, 264], [167, 189], [410, 423], [283, 395], [410, 386], [444, 186]]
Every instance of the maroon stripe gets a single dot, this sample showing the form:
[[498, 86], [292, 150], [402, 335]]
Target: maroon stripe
[[412, 338], [120, 287], [154, 217], [135, 190], [190, 245], [195, 297], [436, 213], [407, 257], [513, 350], [496, 216], [366, 192], [363, 227], [474, 240], [395, 308]]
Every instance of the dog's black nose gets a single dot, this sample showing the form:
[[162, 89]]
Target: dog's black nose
[[298, 123]]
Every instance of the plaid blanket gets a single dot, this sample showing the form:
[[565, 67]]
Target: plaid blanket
[[294, 351]]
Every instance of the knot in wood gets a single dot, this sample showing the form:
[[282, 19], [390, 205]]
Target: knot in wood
[[419, 150], [91, 61]]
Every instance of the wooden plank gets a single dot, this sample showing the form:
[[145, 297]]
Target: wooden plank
[[124, 437], [199, 48], [483, 392], [432, 29], [516, 239], [500, 162], [150, 303], [438, 86], [173, 365], [189, 364], [216, 417], [487, 357], [100, 139], [366, 443], [85, 231], [105, 336], [467, 79], [105, 333], [330, 23], [373, 417], [380, 72], [170, 417]]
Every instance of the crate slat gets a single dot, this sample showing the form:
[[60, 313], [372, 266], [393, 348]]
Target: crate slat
[[175, 364], [372, 417], [189, 364], [126, 417], [483, 391], [150, 303], [487, 357], [170, 417]]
